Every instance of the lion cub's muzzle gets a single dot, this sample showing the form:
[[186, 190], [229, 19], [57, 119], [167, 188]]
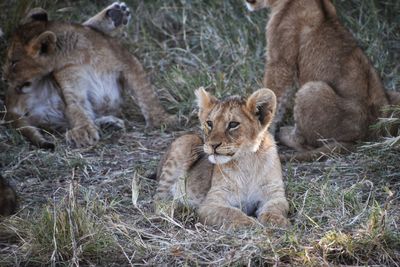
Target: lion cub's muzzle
[[218, 153]]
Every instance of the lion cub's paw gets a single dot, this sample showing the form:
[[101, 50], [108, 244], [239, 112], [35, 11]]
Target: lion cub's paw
[[82, 136], [110, 123], [240, 222], [119, 14], [273, 218]]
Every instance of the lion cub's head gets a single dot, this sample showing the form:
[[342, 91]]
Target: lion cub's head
[[29, 55], [234, 127]]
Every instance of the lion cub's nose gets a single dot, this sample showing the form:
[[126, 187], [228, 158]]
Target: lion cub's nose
[[214, 146], [251, 1]]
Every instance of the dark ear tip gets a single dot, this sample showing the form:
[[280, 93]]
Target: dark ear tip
[[39, 16], [35, 14]]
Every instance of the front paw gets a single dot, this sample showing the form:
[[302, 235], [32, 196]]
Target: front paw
[[240, 222], [82, 136], [273, 218]]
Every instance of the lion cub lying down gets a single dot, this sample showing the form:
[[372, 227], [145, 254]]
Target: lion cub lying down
[[234, 172], [340, 93], [71, 77]]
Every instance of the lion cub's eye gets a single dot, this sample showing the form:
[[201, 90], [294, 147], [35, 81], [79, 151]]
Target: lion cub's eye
[[26, 84], [233, 125], [22, 88], [209, 124]]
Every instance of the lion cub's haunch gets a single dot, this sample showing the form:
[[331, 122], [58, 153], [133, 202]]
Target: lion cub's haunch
[[234, 172], [340, 93], [65, 76]]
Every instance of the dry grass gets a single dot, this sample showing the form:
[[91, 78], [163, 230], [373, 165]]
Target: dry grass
[[93, 206]]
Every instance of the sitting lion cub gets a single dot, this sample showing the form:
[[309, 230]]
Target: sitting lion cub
[[234, 172], [71, 77], [340, 93]]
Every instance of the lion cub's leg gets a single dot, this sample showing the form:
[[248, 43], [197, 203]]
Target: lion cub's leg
[[111, 20], [78, 110], [138, 85], [274, 207], [217, 211], [174, 167], [289, 136]]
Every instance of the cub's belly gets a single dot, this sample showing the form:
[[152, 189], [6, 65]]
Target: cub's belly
[[104, 93], [43, 105]]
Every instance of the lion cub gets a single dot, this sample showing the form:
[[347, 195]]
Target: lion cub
[[340, 93], [234, 172], [8, 198], [74, 78]]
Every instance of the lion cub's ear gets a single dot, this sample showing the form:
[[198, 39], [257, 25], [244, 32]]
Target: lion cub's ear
[[35, 14], [262, 103], [44, 44], [205, 101]]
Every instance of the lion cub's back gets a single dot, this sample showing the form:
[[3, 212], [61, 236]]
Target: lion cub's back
[[87, 45]]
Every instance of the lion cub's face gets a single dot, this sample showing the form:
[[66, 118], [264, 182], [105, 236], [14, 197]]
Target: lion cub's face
[[234, 127], [28, 57]]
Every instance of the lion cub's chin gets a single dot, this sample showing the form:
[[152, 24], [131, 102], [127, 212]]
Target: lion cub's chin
[[219, 159]]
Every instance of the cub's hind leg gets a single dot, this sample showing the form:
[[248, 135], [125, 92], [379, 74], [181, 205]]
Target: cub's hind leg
[[324, 122], [111, 20], [110, 123], [174, 166], [137, 84]]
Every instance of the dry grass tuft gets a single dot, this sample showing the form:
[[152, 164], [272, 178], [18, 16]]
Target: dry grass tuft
[[94, 206]]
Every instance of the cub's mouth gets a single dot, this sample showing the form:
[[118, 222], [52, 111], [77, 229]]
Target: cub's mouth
[[219, 154], [219, 159]]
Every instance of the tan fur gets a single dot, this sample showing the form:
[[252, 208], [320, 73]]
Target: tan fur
[[68, 76], [242, 175], [340, 93], [8, 198]]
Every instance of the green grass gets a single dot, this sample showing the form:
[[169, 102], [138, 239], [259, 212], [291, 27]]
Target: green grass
[[76, 205]]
